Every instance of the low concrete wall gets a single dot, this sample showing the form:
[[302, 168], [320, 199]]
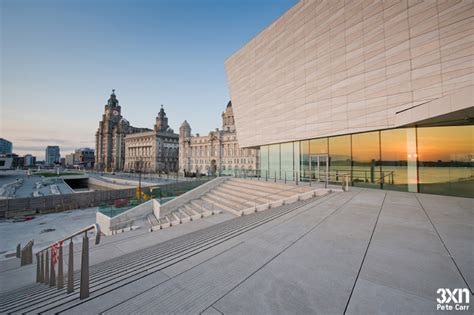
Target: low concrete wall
[[46, 204], [132, 183], [180, 201], [108, 224], [106, 184]]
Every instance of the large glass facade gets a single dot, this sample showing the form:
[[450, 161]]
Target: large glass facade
[[438, 160], [366, 171], [274, 161], [445, 160], [339, 157], [398, 155], [263, 160], [304, 159], [286, 160]]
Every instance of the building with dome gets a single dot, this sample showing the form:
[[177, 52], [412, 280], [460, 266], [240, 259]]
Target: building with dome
[[215, 153], [122, 147], [110, 137], [153, 151]]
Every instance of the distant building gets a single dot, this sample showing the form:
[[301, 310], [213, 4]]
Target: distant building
[[52, 155], [30, 160], [85, 157], [218, 152], [70, 160], [155, 151], [6, 146], [109, 138]]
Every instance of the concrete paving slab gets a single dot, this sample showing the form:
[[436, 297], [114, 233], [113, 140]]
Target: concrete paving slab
[[453, 219], [405, 257], [315, 274]]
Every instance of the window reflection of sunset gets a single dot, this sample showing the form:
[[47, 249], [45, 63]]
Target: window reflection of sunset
[[446, 143]]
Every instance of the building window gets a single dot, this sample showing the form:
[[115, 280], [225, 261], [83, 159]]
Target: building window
[[445, 159], [366, 168]]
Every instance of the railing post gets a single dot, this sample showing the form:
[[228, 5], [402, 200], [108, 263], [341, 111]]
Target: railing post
[[285, 177], [70, 268], [84, 289], [60, 268], [46, 268], [297, 178], [52, 276], [38, 270], [275, 179], [42, 268], [18, 249]]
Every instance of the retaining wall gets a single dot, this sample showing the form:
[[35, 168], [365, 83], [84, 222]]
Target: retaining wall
[[46, 204]]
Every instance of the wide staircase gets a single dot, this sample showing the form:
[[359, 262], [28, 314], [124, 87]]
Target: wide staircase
[[236, 196], [111, 275]]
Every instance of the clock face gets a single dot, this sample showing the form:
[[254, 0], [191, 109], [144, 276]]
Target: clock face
[[115, 112]]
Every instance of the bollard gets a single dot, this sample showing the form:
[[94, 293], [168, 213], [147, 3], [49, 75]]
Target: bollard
[[70, 269], [84, 289], [38, 272], [52, 274], [46, 269], [60, 268], [18, 249], [42, 268]]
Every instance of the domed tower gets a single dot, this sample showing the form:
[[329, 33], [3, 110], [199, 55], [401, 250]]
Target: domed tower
[[161, 121], [185, 130], [185, 148], [228, 118]]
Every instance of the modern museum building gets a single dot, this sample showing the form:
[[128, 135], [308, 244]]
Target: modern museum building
[[380, 92]]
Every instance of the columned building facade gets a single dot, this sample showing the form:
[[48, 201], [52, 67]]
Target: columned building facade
[[379, 91], [153, 151], [216, 153]]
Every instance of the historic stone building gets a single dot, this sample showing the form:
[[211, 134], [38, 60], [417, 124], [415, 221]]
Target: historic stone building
[[109, 138], [216, 153], [153, 151]]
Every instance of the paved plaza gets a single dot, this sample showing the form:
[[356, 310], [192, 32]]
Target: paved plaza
[[359, 252]]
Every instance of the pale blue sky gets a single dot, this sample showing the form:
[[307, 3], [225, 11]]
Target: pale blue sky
[[60, 60]]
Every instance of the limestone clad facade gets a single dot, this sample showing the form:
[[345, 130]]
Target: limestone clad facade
[[153, 151], [329, 68], [216, 153]]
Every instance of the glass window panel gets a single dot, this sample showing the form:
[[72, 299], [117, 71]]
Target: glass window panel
[[366, 170], [264, 160], [445, 159], [398, 148], [274, 161], [304, 154], [339, 157], [286, 155], [296, 159], [318, 146]]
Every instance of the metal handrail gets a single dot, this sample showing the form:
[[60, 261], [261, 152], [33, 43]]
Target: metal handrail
[[95, 227], [45, 262]]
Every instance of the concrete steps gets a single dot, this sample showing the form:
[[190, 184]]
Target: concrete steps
[[255, 194], [111, 275], [245, 196], [265, 189], [219, 204]]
